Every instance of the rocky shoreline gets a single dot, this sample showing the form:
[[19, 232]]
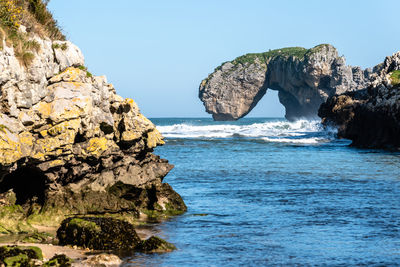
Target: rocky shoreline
[[364, 105], [69, 145], [369, 117]]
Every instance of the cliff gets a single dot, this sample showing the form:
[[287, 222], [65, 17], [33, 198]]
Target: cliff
[[304, 78], [68, 143], [370, 117]]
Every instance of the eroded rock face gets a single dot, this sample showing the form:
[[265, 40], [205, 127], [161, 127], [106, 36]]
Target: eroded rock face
[[66, 138], [370, 117], [305, 78]]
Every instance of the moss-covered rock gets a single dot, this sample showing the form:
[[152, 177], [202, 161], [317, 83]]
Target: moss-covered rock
[[59, 261], [13, 220], [155, 244], [98, 233], [38, 237], [19, 255]]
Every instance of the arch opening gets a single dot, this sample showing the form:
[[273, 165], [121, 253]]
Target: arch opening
[[268, 106]]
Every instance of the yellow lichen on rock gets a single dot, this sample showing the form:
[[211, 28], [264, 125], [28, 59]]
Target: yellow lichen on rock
[[44, 109], [154, 138], [10, 149], [56, 162], [70, 74], [49, 145], [96, 147], [128, 136], [64, 126]]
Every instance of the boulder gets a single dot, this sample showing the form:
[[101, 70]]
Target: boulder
[[99, 233], [60, 260], [155, 244], [19, 255]]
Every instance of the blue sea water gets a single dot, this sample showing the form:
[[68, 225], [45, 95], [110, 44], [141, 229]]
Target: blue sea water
[[268, 192]]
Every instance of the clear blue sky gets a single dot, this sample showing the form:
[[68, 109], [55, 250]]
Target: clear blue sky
[[157, 52]]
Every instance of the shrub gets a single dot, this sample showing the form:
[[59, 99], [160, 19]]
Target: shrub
[[395, 78]]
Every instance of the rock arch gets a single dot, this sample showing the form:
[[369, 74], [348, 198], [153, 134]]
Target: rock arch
[[304, 78]]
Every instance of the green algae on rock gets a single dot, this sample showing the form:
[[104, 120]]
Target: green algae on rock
[[98, 233], [155, 244], [19, 255], [59, 261], [104, 233], [38, 237]]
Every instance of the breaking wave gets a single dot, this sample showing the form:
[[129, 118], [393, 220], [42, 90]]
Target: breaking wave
[[282, 131]]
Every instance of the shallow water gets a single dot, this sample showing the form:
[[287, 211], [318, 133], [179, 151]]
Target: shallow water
[[270, 192]]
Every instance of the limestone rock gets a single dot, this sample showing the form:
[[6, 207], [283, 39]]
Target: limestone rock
[[369, 117], [304, 78], [102, 260], [66, 137]]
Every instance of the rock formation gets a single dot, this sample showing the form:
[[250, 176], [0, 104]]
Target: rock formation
[[369, 117], [70, 145], [304, 78]]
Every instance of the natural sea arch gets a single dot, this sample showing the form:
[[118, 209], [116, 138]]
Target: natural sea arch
[[304, 79]]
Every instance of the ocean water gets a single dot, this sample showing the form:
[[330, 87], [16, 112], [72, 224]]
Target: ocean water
[[267, 192]]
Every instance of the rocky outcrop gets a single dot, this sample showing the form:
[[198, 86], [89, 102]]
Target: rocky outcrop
[[370, 117], [70, 145], [304, 78], [102, 233], [98, 233]]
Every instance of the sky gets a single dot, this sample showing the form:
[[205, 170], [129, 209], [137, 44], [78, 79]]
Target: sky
[[157, 52]]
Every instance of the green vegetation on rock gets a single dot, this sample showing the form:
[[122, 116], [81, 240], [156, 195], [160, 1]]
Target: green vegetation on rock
[[41, 238], [13, 220], [295, 52], [34, 16], [156, 244], [63, 46], [19, 255], [88, 74], [84, 223], [59, 261], [395, 78], [99, 233]]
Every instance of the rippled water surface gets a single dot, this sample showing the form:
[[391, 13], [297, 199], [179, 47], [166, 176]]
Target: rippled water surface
[[269, 192]]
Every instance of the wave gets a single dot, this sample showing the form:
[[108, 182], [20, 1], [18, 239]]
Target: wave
[[301, 131]]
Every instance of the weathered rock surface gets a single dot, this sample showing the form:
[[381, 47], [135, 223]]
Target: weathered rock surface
[[103, 233], [369, 117], [67, 140], [304, 78], [102, 260], [98, 233]]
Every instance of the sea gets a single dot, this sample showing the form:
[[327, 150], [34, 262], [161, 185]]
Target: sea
[[269, 192]]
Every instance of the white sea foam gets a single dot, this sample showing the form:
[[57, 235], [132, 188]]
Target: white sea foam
[[301, 131]]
